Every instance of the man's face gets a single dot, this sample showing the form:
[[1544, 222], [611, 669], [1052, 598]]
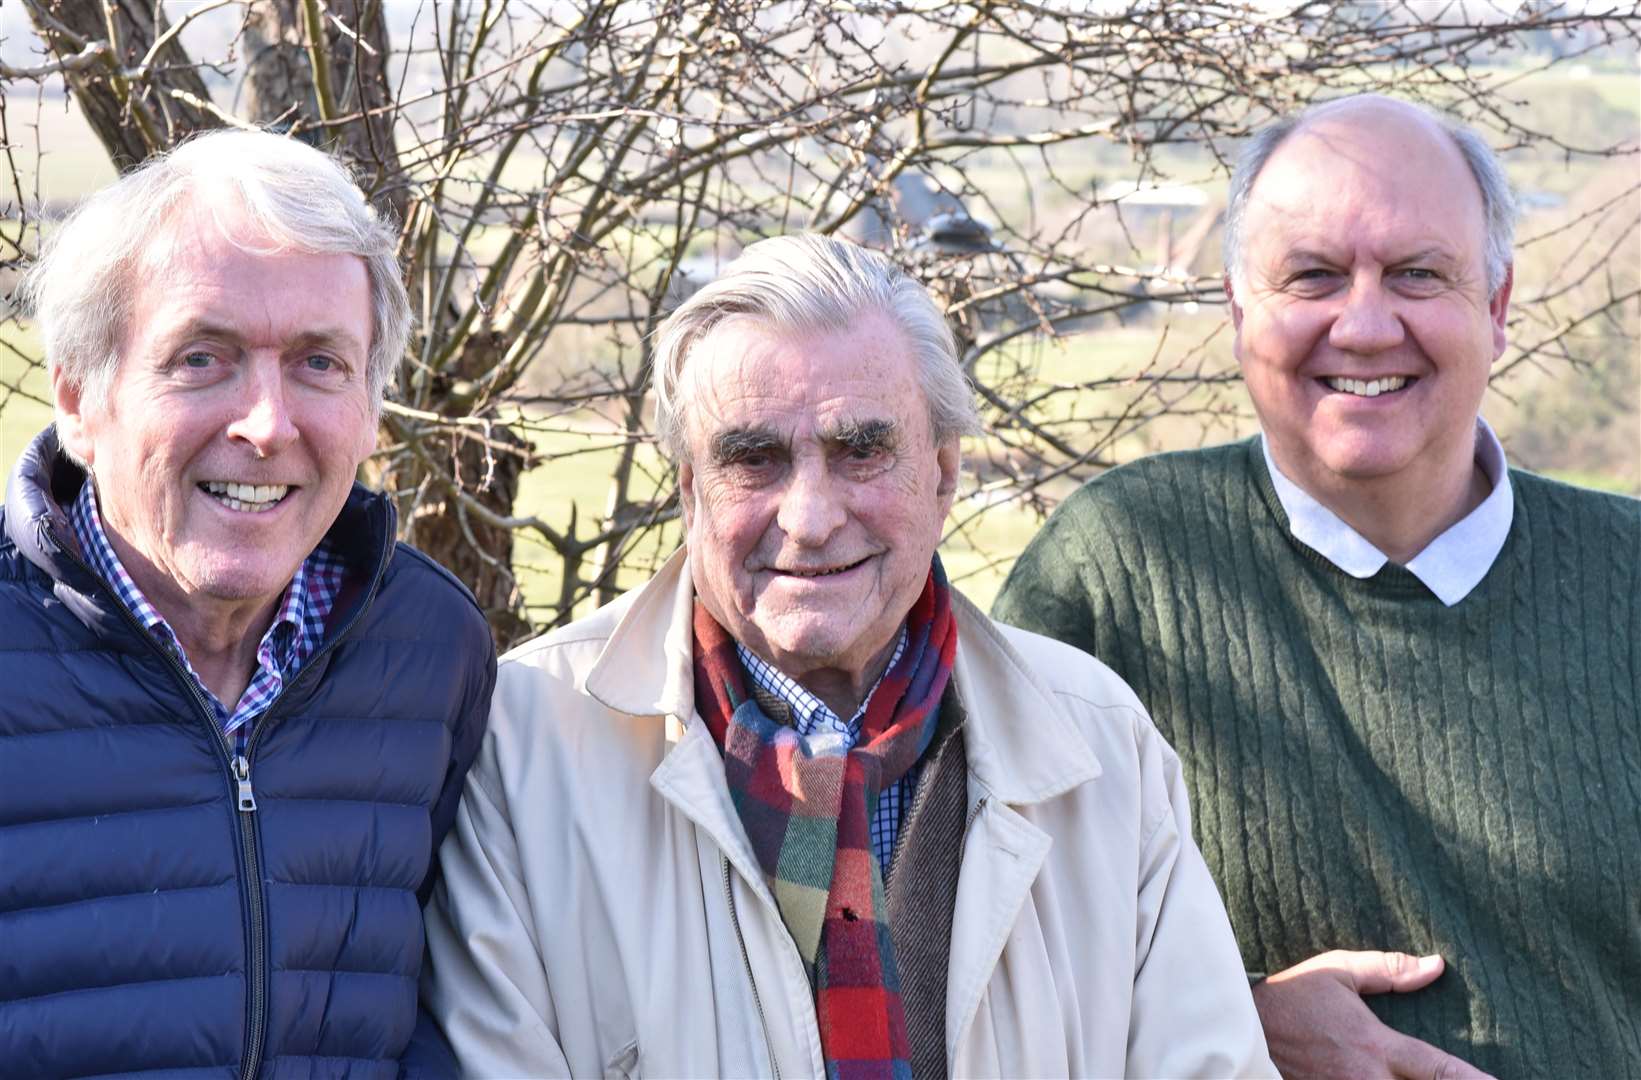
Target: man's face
[[229, 438], [1364, 326], [814, 493]]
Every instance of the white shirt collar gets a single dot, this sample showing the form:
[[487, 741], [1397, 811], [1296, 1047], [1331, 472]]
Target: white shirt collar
[[1450, 566]]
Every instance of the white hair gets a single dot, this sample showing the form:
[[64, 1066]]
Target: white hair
[[298, 198], [1498, 203], [806, 283]]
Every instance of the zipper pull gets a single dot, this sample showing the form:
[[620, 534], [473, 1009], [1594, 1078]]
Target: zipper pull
[[242, 771]]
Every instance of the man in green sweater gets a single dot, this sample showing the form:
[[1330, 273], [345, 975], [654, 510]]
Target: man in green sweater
[[1405, 679]]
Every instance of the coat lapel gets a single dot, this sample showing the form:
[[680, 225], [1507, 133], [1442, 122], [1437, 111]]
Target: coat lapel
[[1020, 748]]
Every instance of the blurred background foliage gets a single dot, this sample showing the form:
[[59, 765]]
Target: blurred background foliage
[[565, 172]]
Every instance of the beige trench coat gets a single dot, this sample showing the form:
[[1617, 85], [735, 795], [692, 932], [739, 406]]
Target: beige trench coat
[[601, 912]]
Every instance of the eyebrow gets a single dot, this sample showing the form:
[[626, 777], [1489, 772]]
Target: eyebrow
[[1428, 254], [1308, 255], [733, 444], [334, 338], [861, 435]]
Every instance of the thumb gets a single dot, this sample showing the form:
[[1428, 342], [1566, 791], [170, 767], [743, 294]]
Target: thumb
[[1381, 972], [1410, 1059]]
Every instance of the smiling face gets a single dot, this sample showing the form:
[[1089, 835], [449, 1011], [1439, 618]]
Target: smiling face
[[814, 493], [228, 440], [1364, 326]]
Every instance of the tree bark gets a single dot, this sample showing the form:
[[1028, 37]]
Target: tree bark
[[132, 121], [280, 90]]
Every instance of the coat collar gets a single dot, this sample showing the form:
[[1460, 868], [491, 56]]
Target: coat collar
[[1022, 745]]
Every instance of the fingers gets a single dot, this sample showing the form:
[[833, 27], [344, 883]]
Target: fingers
[[1388, 972], [1410, 1059]]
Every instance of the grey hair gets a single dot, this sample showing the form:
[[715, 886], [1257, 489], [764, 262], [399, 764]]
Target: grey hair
[[1498, 202], [297, 198], [805, 283]]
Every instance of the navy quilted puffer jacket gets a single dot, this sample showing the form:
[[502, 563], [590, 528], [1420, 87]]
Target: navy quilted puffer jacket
[[147, 923]]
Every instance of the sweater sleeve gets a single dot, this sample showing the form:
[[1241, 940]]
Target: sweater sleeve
[[1046, 591]]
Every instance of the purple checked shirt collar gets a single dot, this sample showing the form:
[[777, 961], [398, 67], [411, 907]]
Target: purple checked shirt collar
[[296, 632]]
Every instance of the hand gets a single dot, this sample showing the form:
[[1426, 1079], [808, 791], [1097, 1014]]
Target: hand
[[1317, 1025]]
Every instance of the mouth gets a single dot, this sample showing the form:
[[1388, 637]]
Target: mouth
[[246, 498], [1369, 388], [820, 571]]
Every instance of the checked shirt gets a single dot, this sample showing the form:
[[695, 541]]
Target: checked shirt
[[297, 631], [824, 732]]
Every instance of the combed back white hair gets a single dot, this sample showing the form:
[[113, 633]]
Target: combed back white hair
[[1498, 202], [292, 197], [804, 284]]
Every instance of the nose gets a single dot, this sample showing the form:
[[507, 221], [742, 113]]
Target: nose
[[262, 418], [1368, 322], [812, 506]]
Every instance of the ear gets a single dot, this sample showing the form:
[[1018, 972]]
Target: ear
[[73, 426], [948, 458], [367, 437], [686, 492], [1236, 308], [1498, 311]]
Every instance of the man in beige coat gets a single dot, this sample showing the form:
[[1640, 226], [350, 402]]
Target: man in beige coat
[[795, 806]]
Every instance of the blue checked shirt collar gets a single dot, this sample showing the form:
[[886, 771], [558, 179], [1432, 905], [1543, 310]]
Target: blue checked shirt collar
[[823, 732], [296, 632]]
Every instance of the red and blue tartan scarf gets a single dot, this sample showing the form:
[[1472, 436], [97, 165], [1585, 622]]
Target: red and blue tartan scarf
[[808, 821]]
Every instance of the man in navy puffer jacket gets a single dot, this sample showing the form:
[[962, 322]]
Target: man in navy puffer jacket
[[235, 716]]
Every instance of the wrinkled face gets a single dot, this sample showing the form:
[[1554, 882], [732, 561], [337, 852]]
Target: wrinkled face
[[814, 493], [1364, 326], [229, 438]]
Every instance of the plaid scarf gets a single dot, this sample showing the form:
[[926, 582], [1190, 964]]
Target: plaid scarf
[[808, 821]]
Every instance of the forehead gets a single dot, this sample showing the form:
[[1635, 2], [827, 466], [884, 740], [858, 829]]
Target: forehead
[[1381, 183], [747, 373], [219, 268]]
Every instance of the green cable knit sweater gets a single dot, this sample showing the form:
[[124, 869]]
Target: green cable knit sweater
[[1369, 769]]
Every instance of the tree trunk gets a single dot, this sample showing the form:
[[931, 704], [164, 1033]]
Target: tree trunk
[[486, 463], [134, 121], [280, 90], [131, 121]]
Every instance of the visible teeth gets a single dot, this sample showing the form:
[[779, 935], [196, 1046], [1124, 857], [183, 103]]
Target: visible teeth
[[1369, 388], [247, 497], [820, 573]]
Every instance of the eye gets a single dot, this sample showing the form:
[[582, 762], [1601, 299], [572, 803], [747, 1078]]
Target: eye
[[198, 360], [321, 363]]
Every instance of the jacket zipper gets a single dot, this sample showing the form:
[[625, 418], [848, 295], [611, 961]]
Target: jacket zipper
[[240, 767], [735, 920], [257, 1030], [239, 775]]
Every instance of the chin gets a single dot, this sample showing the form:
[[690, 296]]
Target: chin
[[235, 584], [812, 646], [1367, 465]]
